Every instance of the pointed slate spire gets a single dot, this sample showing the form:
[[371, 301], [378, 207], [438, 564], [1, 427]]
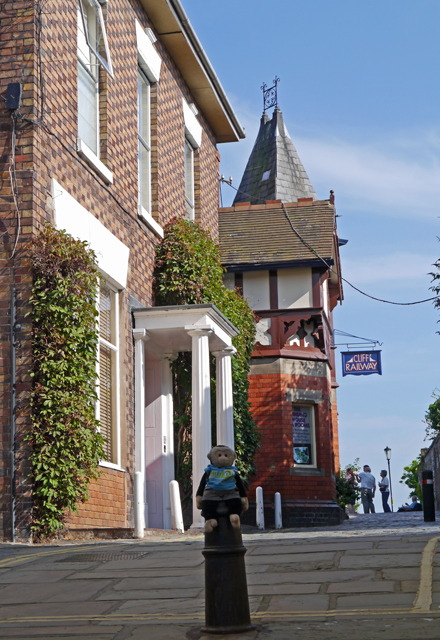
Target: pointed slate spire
[[274, 170]]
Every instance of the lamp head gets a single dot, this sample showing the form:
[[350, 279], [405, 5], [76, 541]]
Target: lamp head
[[387, 453]]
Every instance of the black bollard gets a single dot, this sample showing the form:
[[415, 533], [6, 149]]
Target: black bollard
[[226, 595], [428, 496]]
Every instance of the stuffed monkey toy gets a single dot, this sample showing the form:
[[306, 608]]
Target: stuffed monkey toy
[[221, 482]]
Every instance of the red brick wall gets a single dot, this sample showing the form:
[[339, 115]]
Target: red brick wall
[[106, 504], [49, 151], [335, 427], [273, 415]]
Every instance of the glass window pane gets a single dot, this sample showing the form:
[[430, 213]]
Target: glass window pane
[[144, 159], [93, 28], [189, 210], [83, 48], [144, 109], [189, 172], [105, 314], [107, 382], [302, 435], [87, 109], [106, 365], [144, 177]]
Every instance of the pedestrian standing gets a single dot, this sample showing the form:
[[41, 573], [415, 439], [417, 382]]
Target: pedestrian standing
[[368, 488], [384, 488]]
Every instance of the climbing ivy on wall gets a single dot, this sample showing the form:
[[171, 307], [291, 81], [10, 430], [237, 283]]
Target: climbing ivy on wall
[[65, 445], [188, 271]]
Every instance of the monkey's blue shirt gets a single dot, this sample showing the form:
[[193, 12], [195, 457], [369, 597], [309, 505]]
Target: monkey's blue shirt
[[221, 478]]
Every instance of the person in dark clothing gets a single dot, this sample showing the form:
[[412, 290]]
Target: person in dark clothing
[[414, 506], [384, 488]]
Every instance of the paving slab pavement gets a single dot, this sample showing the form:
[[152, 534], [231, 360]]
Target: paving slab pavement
[[375, 576]]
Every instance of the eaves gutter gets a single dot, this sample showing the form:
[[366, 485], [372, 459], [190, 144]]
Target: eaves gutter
[[197, 46], [163, 13], [264, 266]]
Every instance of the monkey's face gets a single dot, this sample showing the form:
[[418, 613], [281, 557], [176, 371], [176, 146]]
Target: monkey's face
[[222, 456]]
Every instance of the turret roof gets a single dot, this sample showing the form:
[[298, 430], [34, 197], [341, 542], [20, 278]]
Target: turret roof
[[274, 170]]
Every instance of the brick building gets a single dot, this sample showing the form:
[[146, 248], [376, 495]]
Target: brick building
[[115, 134], [280, 247]]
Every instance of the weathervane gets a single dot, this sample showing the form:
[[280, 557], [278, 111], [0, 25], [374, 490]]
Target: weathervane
[[270, 97]]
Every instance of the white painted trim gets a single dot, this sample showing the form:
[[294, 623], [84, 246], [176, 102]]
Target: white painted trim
[[149, 59], [166, 416], [140, 336], [224, 397], [201, 410], [139, 505], [111, 465], [87, 154], [117, 383], [112, 254], [193, 129], [150, 33], [150, 221]]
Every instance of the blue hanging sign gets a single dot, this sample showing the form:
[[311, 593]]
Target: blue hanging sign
[[361, 363]]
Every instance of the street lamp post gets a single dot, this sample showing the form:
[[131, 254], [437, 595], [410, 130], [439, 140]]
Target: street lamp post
[[388, 457]]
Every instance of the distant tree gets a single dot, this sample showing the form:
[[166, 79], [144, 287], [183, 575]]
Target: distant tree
[[432, 417], [436, 286], [355, 466], [411, 479], [346, 487]]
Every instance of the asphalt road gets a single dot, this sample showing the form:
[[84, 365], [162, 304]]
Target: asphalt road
[[374, 577]]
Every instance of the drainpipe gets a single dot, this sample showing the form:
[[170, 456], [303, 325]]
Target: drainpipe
[[13, 400]]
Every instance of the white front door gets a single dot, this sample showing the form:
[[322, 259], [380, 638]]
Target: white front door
[[153, 443], [159, 449]]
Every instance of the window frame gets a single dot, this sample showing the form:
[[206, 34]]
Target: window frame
[[189, 201], [146, 144], [96, 7], [314, 461], [90, 67], [88, 62], [115, 462]]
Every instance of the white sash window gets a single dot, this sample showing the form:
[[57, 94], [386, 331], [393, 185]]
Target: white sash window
[[107, 406]]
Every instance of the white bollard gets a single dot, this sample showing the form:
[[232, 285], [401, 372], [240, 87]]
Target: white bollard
[[139, 508], [278, 514], [176, 507], [259, 508]]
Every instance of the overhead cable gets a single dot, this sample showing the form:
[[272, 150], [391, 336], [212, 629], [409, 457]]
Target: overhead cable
[[400, 304]]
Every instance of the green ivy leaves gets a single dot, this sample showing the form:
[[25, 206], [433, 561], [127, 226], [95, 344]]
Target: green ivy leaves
[[65, 445]]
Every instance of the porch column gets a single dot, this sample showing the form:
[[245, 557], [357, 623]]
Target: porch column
[[140, 336], [167, 435], [201, 412], [224, 401]]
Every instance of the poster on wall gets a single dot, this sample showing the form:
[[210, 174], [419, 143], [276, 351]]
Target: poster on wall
[[361, 363], [302, 451]]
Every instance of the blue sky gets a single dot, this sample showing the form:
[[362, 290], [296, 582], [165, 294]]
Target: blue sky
[[360, 95]]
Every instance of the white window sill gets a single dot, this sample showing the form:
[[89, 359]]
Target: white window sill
[[150, 221], [111, 465], [93, 160]]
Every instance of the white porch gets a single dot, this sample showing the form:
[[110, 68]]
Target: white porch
[[160, 333]]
